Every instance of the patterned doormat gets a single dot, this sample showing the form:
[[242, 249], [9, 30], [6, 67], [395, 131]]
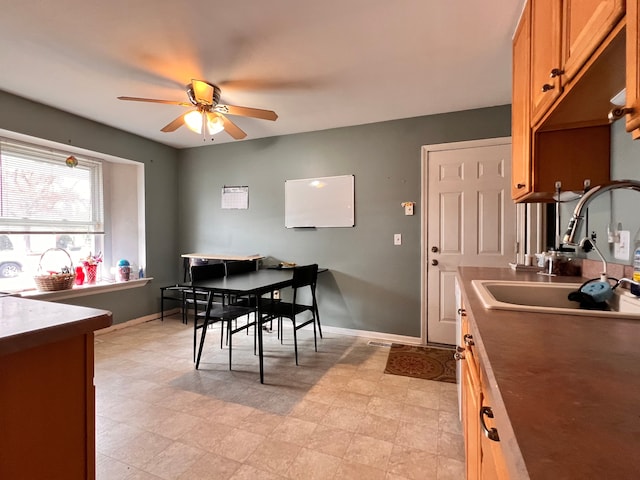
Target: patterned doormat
[[422, 362]]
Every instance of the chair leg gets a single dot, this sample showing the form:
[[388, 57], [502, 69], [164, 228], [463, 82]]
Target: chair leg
[[295, 339], [316, 315], [195, 331], [230, 342], [204, 333], [315, 338]]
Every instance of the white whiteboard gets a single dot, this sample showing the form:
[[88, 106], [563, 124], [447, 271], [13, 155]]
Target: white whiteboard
[[319, 202]]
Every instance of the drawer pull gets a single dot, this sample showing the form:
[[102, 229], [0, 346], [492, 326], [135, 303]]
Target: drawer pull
[[462, 311], [490, 433], [556, 72], [468, 340], [459, 354], [546, 87]]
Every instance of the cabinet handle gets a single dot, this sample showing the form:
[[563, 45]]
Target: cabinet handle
[[520, 185], [546, 87], [468, 340], [462, 312], [490, 433], [556, 72], [434, 262], [459, 354]]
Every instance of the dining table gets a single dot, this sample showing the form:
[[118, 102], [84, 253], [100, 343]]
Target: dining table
[[251, 284]]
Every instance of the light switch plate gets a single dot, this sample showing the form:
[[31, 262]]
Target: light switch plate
[[397, 239], [621, 247]]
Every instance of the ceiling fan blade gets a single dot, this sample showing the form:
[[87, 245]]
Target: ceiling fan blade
[[153, 100], [232, 129], [174, 125], [247, 112], [202, 92]]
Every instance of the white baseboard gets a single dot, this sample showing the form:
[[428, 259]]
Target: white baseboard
[[388, 337], [136, 321]]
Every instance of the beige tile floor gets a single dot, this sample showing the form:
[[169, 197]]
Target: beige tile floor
[[335, 416]]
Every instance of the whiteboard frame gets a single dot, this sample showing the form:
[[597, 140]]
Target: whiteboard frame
[[331, 205]]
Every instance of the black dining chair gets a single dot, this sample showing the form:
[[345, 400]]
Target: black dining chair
[[219, 312], [304, 277], [198, 273], [238, 267]]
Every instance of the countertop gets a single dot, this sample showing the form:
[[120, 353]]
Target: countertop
[[30, 323], [565, 388]]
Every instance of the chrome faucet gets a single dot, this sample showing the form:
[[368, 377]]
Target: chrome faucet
[[587, 244], [585, 200], [626, 280]]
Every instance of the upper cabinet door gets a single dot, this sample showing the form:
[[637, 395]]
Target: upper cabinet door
[[545, 55], [633, 68], [520, 118], [585, 24]]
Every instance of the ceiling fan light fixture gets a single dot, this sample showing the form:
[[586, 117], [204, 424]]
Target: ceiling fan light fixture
[[195, 120], [214, 123]]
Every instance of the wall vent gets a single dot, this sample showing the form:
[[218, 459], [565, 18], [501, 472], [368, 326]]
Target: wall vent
[[379, 344]]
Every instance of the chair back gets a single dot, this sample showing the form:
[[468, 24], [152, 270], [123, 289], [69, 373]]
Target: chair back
[[207, 272], [305, 275]]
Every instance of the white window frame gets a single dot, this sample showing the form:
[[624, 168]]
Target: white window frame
[[126, 242]]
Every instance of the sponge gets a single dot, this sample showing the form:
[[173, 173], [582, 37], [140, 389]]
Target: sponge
[[599, 291]]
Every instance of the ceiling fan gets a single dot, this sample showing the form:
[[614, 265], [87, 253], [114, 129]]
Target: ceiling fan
[[209, 115]]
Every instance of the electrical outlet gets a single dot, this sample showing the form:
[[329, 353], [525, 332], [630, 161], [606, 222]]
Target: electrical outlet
[[276, 294], [397, 239]]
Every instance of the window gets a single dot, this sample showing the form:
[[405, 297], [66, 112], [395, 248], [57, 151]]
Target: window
[[52, 199]]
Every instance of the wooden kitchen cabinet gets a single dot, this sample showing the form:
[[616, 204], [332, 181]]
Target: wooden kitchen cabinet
[[585, 24], [47, 394], [575, 63], [484, 457], [471, 401], [633, 68], [545, 55], [564, 34], [492, 461], [521, 125]]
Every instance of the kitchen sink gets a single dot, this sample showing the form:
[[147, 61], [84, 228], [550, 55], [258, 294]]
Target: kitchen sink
[[544, 297]]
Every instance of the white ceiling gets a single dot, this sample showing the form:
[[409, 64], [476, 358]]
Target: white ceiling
[[318, 64]]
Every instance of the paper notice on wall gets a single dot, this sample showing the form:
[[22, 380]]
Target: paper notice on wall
[[235, 197]]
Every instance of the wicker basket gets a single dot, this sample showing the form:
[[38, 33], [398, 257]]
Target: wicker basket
[[55, 281]]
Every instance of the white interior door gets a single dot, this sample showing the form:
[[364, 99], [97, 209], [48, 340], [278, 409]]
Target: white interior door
[[469, 219]]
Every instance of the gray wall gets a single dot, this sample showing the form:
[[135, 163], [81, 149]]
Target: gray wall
[[29, 118], [371, 285]]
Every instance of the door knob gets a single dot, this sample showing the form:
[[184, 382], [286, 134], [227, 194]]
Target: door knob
[[434, 249], [434, 262]]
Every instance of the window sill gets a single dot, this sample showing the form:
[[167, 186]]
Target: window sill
[[84, 290]]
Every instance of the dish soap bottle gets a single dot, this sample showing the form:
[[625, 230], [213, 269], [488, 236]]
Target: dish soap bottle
[[636, 269]]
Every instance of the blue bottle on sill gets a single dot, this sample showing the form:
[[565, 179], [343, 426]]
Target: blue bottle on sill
[[141, 273]]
